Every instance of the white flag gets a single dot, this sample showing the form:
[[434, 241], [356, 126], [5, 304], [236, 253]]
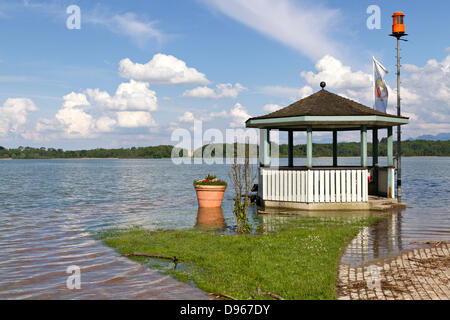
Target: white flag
[[380, 88]]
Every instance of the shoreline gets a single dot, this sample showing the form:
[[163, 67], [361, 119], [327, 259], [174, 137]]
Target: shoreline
[[281, 157]]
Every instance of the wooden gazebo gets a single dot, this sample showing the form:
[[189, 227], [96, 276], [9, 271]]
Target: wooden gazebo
[[336, 187]]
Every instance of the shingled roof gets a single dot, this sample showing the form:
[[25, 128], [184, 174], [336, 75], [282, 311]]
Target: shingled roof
[[325, 103]]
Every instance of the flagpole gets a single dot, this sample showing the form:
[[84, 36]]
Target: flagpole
[[399, 132]]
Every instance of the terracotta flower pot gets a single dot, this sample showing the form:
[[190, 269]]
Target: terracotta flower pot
[[209, 196]]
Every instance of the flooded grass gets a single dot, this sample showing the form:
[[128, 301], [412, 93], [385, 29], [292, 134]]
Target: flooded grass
[[297, 261]]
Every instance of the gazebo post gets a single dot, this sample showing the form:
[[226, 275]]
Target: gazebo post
[[363, 145], [264, 147], [390, 147], [390, 158], [309, 146], [375, 158], [290, 148], [334, 148]]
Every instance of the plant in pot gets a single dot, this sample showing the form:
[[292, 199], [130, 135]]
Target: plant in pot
[[210, 191]]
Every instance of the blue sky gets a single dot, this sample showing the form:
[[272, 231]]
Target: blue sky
[[215, 61]]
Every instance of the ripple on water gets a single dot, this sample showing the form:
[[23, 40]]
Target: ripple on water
[[49, 209]]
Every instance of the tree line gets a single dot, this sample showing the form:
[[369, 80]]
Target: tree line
[[409, 148], [152, 152]]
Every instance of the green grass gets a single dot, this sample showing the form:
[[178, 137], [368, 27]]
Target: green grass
[[298, 261]]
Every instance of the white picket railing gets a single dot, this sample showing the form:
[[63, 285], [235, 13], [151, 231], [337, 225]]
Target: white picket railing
[[328, 185]]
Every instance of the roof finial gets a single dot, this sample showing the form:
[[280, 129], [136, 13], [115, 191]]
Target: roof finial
[[323, 84]]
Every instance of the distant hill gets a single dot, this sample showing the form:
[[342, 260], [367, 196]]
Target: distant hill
[[410, 148], [444, 136]]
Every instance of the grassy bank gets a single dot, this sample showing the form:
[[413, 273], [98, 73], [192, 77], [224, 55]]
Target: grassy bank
[[298, 261]]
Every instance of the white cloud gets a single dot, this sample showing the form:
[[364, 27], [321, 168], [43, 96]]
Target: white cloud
[[130, 96], [302, 26], [425, 91], [336, 75], [76, 121], [127, 24], [238, 115], [305, 91], [13, 114], [271, 107], [138, 28], [75, 99], [224, 90], [105, 124], [431, 81], [129, 107], [187, 117], [135, 119], [339, 78], [161, 69]]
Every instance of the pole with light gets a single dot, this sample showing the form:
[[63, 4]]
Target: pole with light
[[398, 31]]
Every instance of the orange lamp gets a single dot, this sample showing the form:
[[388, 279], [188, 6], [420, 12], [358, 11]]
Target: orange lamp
[[398, 25]]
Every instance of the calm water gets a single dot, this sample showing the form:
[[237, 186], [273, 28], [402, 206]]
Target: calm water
[[48, 209]]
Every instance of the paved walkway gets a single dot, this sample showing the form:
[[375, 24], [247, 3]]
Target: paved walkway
[[419, 274]]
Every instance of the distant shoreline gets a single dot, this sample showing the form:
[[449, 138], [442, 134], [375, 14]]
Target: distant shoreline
[[144, 158]]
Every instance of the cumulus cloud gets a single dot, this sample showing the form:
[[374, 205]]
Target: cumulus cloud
[[135, 119], [85, 115], [431, 80], [130, 96], [271, 107], [187, 117], [426, 94], [76, 121], [238, 115], [425, 91], [303, 26], [75, 99], [13, 114], [161, 69], [340, 78], [224, 90], [105, 124], [336, 75]]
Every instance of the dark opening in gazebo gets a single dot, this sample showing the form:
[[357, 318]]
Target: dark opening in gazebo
[[336, 187]]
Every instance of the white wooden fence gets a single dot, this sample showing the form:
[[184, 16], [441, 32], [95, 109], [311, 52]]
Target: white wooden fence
[[328, 185]]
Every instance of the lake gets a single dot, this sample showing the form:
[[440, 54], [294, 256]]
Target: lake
[[50, 208]]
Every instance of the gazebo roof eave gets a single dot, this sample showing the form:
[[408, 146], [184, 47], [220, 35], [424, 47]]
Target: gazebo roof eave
[[327, 122]]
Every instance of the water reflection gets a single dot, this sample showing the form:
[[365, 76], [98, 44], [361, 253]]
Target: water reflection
[[381, 240], [210, 219]]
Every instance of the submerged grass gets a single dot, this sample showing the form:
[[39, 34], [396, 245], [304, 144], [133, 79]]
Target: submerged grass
[[298, 261]]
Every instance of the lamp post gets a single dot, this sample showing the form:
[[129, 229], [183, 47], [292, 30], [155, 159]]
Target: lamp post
[[398, 31]]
